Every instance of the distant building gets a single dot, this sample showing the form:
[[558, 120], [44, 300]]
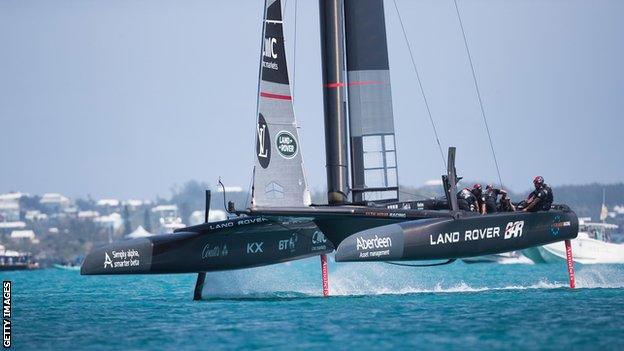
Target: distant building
[[35, 216], [112, 221], [108, 206], [24, 235], [134, 205], [8, 227], [197, 217], [167, 217], [54, 202], [88, 215], [230, 189], [10, 206], [140, 232]]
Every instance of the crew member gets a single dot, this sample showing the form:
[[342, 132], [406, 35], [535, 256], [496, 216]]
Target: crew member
[[541, 198], [490, 202], [469, 199]]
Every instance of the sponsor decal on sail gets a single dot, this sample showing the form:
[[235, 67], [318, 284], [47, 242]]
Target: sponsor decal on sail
[[270, 52], [286, 144], [263, 142]]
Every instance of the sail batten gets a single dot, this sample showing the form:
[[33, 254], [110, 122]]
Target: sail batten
[[279, 176]]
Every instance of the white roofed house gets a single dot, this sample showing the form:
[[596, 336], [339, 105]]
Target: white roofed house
[[88, 215], [113, 221], [197, 217], [108, 206], [35, 216], [54, 202], [10, 206], [167, 217], [8, 227], [19, 235]]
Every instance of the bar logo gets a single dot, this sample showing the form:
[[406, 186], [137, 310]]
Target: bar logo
[[6, 314]]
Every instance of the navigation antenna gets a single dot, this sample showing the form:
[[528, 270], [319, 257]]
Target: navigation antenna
[[474, 78]]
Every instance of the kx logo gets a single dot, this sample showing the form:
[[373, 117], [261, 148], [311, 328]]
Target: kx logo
[[254, 247], [514, 229]]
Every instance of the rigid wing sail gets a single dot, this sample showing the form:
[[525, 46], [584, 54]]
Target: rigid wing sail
[[363, 221]]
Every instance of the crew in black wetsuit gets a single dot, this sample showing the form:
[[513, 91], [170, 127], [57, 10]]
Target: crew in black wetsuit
[[469, 200], [490, 200], [541, 198]]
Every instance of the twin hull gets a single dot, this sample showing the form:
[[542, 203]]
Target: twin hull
[[255, 241]]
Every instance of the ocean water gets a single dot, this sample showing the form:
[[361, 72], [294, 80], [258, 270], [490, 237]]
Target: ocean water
[[373, 306]]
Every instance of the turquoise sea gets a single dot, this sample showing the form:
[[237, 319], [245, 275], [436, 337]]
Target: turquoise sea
[[374, 306]]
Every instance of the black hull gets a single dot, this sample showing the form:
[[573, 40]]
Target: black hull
[[270, 236], [231, 244], [438, 238], [406, 234]]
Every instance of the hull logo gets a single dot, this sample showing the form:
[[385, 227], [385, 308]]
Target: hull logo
[[373, 243], [107, 260], [286, 144], [288, 244], [318, 241], [256, 247], [514, 229], [214, 251], [557, 225]]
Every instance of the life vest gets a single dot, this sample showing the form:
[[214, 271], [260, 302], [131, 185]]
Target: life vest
[[546, 200]]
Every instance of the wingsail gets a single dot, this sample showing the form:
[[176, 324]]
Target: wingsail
[[279, 176], [371, 123]]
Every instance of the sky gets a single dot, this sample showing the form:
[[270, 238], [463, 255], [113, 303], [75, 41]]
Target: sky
[[127, 98]]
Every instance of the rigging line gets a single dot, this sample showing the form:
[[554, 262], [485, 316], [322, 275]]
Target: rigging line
[[422, 91], [474, 78]]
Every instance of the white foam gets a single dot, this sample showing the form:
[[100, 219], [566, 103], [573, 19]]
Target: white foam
[[357, 279]]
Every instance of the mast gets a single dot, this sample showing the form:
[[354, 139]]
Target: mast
[[332, 57]]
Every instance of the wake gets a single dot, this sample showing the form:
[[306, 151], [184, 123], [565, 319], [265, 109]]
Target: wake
[[302, 280]]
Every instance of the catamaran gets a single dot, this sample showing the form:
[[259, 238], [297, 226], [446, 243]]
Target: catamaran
[[363, 220]]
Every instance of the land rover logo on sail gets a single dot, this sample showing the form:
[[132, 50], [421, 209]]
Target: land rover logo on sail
[[263, 142], [286, 144]]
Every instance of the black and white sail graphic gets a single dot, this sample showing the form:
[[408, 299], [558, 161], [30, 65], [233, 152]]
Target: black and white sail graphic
[[371, 124], [279, 178]]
